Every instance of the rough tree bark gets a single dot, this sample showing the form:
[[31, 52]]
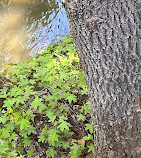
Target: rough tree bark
[[107, 34]]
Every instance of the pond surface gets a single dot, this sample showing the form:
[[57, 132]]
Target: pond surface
[[27, 27]]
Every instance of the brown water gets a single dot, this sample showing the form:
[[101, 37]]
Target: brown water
[[27, 27]]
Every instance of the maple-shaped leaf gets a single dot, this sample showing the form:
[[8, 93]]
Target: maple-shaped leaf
[[31, 130], [51, 152], [50, 115], [21, 65], [24, 124], [30, 152], [63, 125], [42, 138], [42, 107], [88, 137], [91, 148], [13, 136], [89, 127], [81, 117], [36, 103], [52, 136], [27, 142], [71, 98]]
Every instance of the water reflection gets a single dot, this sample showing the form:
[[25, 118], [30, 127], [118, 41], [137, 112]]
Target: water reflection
[[27, 27]]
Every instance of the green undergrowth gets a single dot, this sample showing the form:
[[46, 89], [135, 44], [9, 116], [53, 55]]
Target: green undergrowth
[[45, 112]]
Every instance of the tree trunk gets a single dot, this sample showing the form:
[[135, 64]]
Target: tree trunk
[[107, 34]]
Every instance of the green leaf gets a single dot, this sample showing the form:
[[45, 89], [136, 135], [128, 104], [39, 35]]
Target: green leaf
[[63, 125], [52, 136], [31, 130], [21, 65], [23, 82], [30, 152], [86, 108], [27, 142], [62, 143], [42, 138], [74, 153], [12, 64], [3, 92], [19, 148], [89, 127], [88, 137], [51, 152], [91, 148], [3, 119], [24, 124], [9, 102], [71, 98], [81, 117], [37, 102], [68, 134], [63, 107], [50, 115], [21, 156], [13, 137], [42, 107]]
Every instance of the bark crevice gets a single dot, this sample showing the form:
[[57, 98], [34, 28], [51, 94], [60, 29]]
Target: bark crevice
[[108, 41]]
